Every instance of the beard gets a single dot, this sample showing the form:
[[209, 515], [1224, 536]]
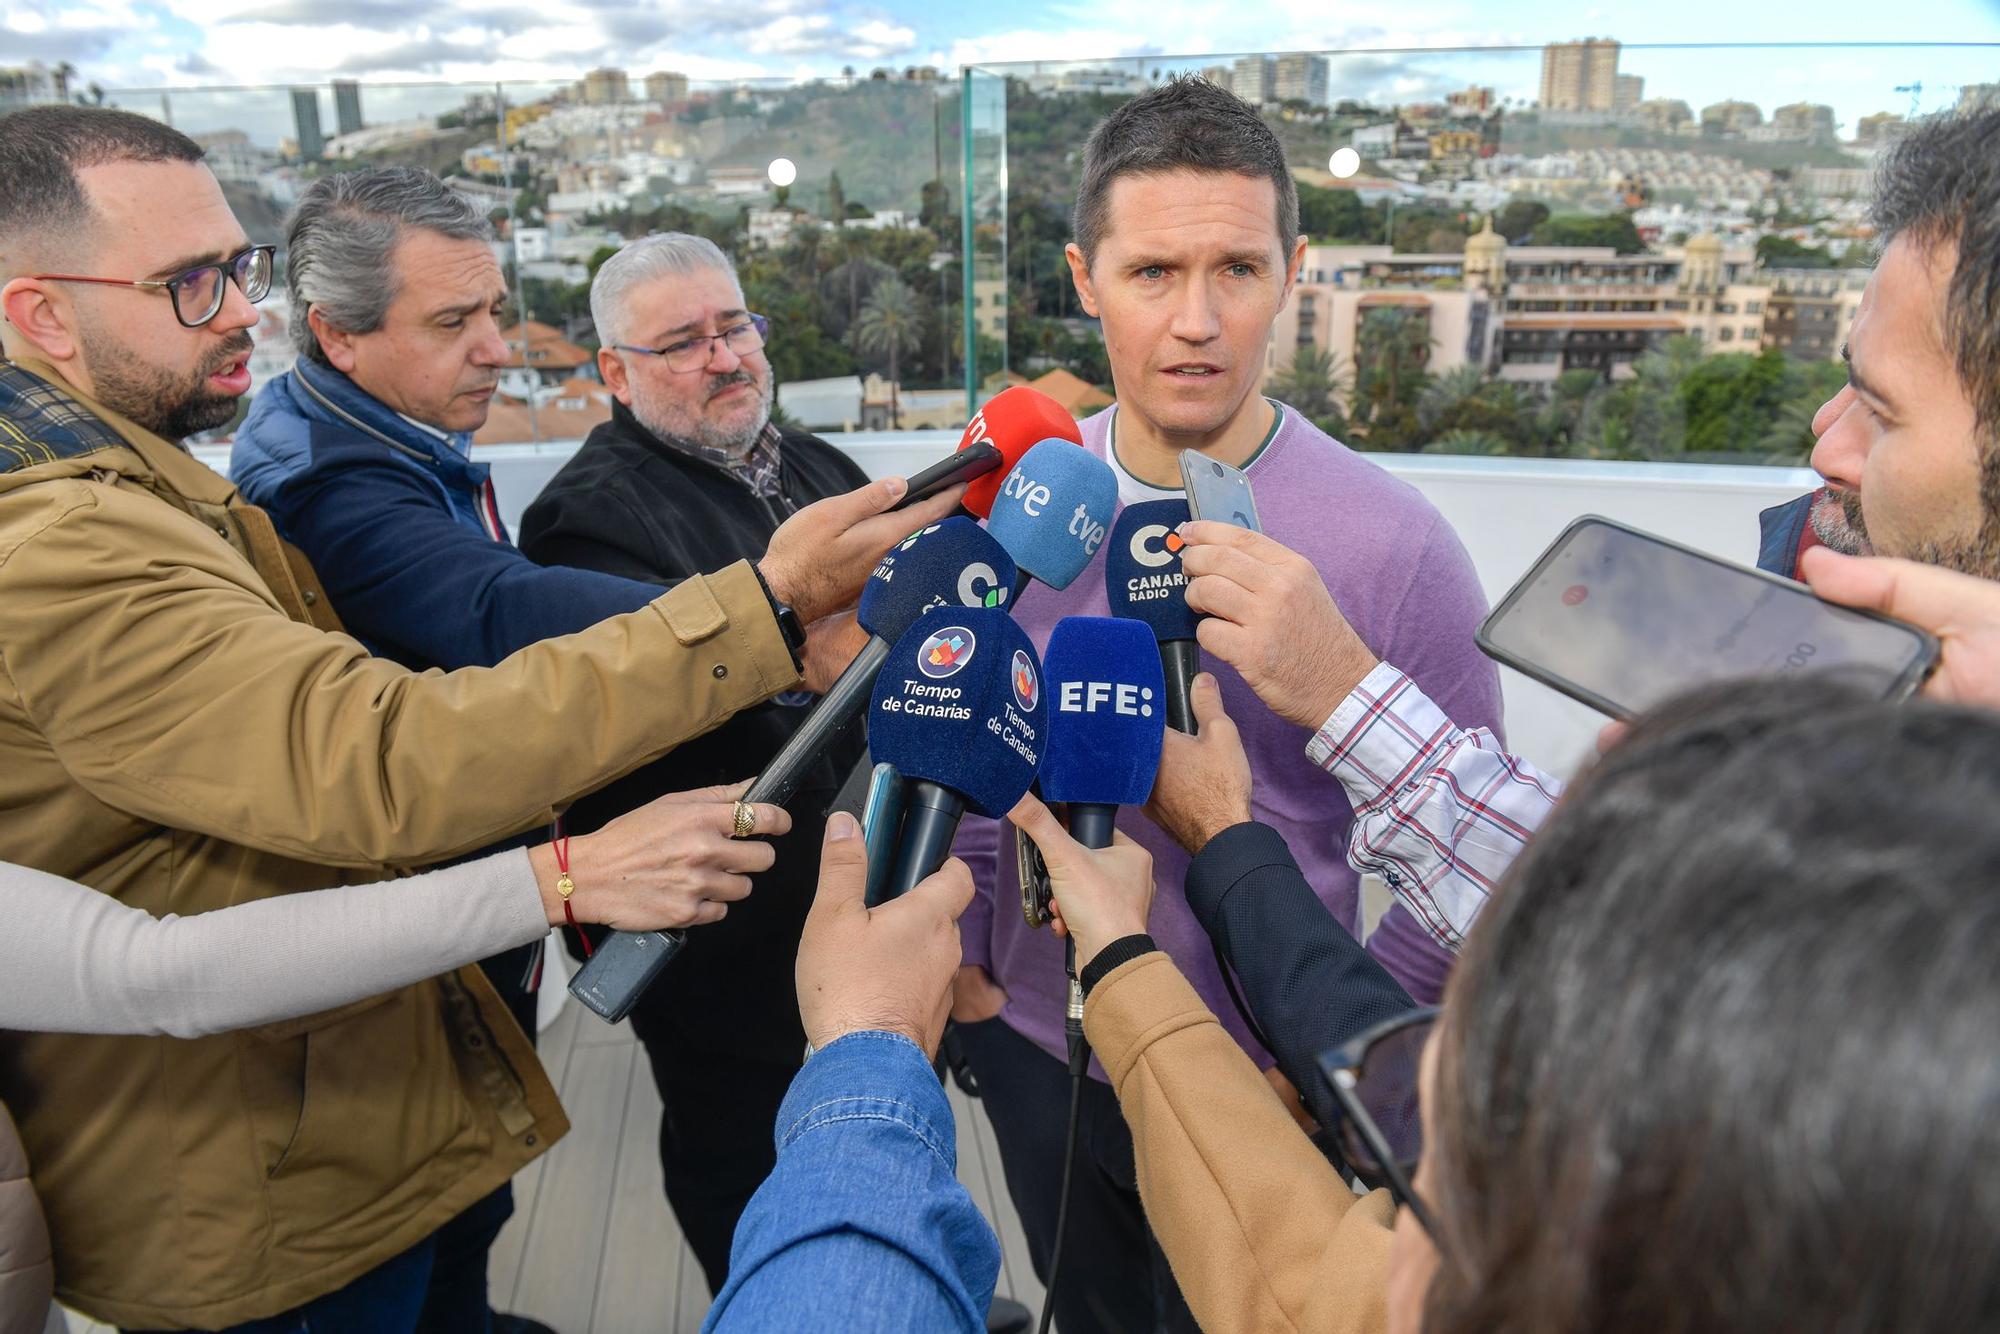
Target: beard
[[170, 404], [674, 421], [1837, 522]]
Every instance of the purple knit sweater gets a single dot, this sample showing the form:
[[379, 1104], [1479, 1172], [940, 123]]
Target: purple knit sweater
[[1404, 581]]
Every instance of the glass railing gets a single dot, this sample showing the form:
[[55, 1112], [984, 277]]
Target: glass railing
[[853, 252], [1646, 252]]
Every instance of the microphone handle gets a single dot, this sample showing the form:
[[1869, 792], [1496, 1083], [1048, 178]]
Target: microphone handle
[[1180, 660], [841, 705], [1091, 823], [625, 963], [931, 813]]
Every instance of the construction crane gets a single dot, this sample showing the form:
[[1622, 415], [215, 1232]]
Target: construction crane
[[1916, 92]]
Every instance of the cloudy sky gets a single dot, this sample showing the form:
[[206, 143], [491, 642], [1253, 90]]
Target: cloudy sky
[[135, 44]]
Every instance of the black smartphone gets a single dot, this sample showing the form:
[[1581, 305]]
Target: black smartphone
[[1218, 492], [961, 466], [1621, 619], [881, 819]]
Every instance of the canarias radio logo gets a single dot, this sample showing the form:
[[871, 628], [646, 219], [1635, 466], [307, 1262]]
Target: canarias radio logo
[[946, 652], [1027, 690], [1156, 545]]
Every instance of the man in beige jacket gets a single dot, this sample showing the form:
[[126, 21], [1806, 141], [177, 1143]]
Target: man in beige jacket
[[182, 727]]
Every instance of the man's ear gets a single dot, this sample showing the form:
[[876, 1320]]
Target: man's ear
[[42, 318], [1296, 264], [611, 367], [1079, 274], [336, 343]]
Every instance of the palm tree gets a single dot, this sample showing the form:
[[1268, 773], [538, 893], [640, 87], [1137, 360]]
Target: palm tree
[[890, 326], [1315, 387], [1790, 437], [1449, 392]]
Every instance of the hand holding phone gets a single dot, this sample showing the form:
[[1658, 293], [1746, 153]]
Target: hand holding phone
[[1218, 492]]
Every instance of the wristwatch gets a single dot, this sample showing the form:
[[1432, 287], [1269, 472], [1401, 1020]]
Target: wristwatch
[[789, 624]]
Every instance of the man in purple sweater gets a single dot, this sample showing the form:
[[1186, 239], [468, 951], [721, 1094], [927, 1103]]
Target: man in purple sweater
[[1187, 246]]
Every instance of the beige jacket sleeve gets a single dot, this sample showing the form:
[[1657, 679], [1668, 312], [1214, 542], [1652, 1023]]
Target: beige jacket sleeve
[[150, 655], [1262, 1233]]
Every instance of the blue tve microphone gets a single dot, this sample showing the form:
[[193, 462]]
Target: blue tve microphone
[[1143, 580], [951, 563], [1106, 721], [1053, 511], [961, 711]]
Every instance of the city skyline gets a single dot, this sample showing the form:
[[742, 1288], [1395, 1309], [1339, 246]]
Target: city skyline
[[174, 43]]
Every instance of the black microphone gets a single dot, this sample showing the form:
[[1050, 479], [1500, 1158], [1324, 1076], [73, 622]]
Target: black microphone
[[951, 563], [960, 711], [1143, 581]]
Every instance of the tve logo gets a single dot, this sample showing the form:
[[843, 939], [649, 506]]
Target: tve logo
[[1156, 545], [1031, 493], [1083, 526], [1119, 696]]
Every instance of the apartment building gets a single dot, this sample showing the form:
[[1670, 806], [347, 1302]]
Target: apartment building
[[1580, 76]]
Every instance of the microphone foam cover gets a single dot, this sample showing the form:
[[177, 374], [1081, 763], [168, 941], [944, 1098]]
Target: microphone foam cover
[[1142, 568], [961, 702], [952, 563], [1108, 716], [1054, 510], [1013, 419]]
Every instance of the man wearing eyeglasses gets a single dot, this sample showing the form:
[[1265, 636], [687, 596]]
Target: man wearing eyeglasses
[[691, 471], [181, 728]]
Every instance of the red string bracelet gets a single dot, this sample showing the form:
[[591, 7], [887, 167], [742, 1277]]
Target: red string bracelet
[[566, 886]]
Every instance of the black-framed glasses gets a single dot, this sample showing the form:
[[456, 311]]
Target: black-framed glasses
[[197, 293], [1374, 1079], [696, 351]]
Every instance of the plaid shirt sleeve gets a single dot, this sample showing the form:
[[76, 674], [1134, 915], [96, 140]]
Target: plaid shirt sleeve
[[1439, 812]]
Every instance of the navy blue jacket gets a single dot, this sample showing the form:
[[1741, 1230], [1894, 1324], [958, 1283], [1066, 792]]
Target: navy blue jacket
[[1780, 530], [397, 522]]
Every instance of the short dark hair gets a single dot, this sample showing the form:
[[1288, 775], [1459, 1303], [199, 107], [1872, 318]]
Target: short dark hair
[[1185, 124], [1719, 1055], [42, 204], [1940, 184]]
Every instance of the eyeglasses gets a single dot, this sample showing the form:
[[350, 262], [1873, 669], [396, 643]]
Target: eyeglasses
[[1374, 1079], [197, 293], [691, 354]]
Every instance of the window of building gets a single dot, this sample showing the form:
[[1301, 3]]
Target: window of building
[[1753, 308], [1749, 333], [1725, 334]]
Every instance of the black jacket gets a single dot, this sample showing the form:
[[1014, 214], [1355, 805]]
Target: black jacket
[[1310, 984], [627, 504]]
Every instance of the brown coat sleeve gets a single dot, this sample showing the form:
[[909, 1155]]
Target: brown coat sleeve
[[1262, 1233], [27, 1277], [149, 654]]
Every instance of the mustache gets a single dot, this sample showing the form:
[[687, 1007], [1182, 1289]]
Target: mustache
[[718, 383], [235, 348]]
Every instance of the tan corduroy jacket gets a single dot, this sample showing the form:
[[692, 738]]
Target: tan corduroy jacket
[[1261, 1232], [26, 1276], [179, 729]]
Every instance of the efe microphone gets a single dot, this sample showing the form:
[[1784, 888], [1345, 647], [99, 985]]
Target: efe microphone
[[961, 712], [1143, 580], [1053, 512], [951, 563]]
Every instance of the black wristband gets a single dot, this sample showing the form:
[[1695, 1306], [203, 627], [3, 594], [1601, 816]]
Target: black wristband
[[789, 627], [1122, 950]]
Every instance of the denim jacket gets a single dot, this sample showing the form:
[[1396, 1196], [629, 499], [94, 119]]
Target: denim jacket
[[863, 1224]]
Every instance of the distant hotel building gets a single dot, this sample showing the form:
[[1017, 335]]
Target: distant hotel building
[[1300, 78], [1581, 76], [305, 117], [1529, 313], [347, 106]]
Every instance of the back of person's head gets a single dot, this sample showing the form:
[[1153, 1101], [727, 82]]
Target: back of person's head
[[46, 220], [1185, 124], [1940, 186], [1720, 1055], [642, 263], [341, 241]]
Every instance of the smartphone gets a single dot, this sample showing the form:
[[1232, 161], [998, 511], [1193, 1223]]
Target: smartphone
[[961, 466], [881, 820], [1621, 619], [1218, 492]]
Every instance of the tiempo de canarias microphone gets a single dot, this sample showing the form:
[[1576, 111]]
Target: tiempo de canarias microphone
[[1143, 581], [1053, 512], [1011, 423], [960, 711], [952, 563]]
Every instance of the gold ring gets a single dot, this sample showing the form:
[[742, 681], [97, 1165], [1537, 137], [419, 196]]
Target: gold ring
[[743, 820]]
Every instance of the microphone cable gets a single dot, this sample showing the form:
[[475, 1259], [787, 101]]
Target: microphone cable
[[1079, 1061]]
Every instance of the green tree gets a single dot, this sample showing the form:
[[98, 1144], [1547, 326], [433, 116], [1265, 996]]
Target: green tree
[[1395, 346], [836, 200], [1607, 229], [890, 327], [1782, 252], [1315, 387], [1518, 220]]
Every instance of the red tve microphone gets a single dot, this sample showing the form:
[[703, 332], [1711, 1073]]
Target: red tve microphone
[[1013, 421]]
